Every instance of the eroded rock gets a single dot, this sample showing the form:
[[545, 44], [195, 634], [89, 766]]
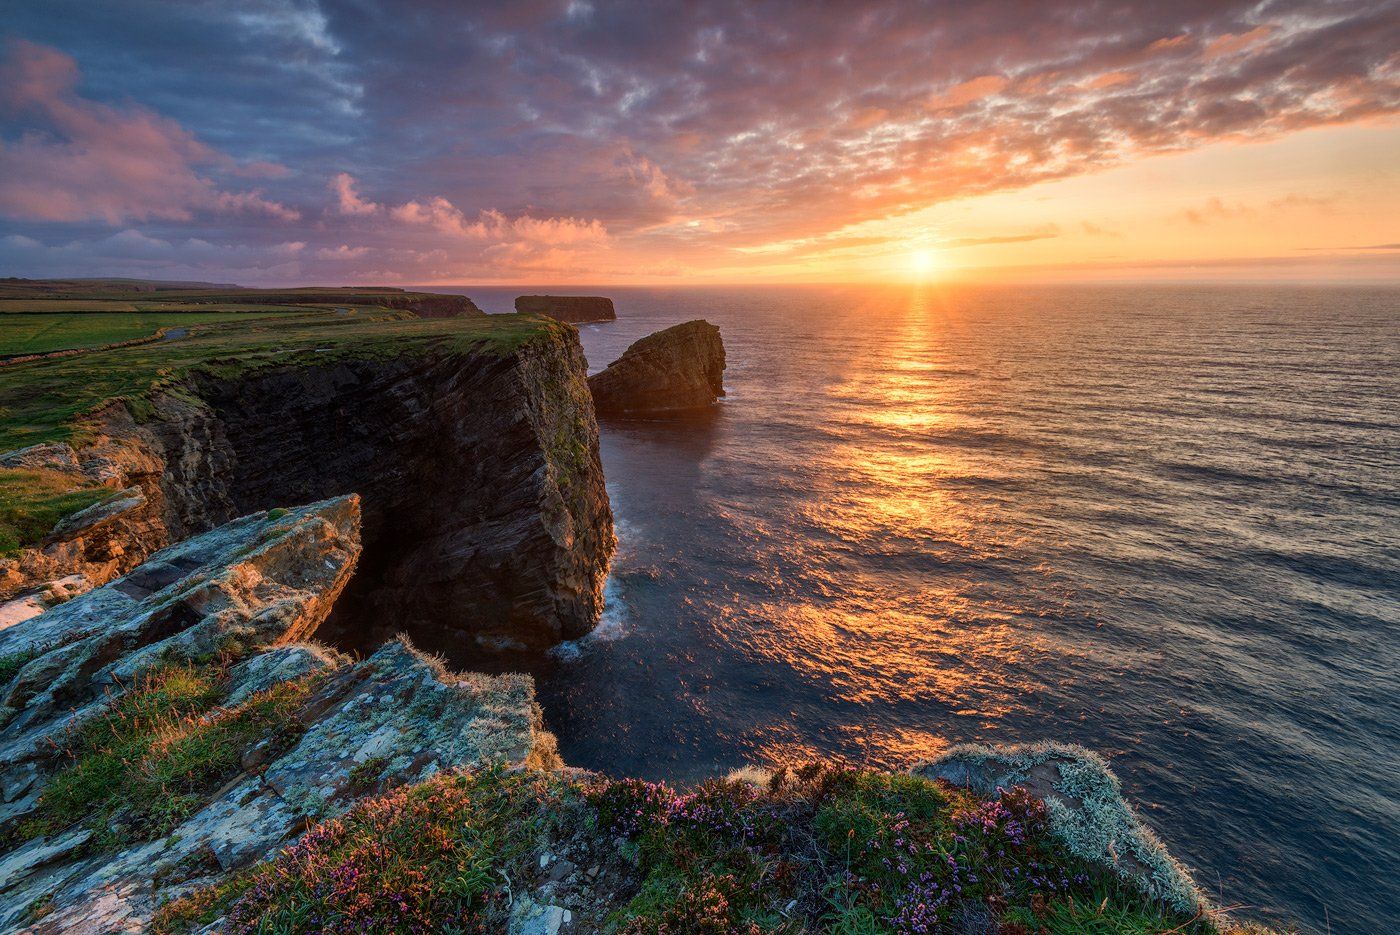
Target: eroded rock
[[486, 520], [680, 369], [1087, 809], [256, 587]]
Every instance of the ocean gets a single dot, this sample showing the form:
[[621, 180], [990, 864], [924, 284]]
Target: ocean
[[1159, 521]]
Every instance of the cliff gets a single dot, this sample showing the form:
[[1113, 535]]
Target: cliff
[[472, 443], [680, 369], [577, 309]]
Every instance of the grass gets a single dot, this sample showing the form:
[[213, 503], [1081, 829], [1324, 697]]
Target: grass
[[11, 664], [40, 333], [43, 400], [151, 759], [33, 501], [818, 849], [436, 857]]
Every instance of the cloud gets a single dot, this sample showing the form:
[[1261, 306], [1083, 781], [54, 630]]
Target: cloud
[[349, 201], [1217, 209], [529, 133], [1044, 233], [76, 160], [442, 216]]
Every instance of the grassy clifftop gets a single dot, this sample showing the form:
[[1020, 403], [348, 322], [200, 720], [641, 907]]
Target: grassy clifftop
[[45, 399], [41, 400]]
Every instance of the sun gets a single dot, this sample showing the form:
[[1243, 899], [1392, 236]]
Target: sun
[[922, 263]]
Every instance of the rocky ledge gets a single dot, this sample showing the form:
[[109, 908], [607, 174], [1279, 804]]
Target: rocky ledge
[[680, 369], [175, 726], [577, 309]]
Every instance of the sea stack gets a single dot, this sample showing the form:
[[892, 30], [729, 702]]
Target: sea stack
[[680, 369], [576, 309]]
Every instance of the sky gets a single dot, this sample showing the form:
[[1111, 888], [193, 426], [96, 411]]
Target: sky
[[426, 142]]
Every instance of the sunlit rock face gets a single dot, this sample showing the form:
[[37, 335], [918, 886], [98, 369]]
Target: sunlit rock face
[[680, 369], [571, 308], [233, 606]]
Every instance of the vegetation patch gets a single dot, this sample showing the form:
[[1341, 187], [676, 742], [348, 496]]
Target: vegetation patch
[[816, 849], [33, 501], [52, 399], [43, 332], [150, 760], [436, 857]]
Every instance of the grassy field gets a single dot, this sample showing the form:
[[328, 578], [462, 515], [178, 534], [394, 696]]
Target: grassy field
[[40, 400], [39, 333]]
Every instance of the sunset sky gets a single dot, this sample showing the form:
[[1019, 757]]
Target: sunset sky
[[297, 141]]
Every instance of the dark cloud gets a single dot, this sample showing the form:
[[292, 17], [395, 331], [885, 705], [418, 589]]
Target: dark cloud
[[500, 137]]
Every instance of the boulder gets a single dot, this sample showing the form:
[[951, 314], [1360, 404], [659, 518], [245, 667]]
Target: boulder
[[1087, 810], [571, 308], [680, 369]]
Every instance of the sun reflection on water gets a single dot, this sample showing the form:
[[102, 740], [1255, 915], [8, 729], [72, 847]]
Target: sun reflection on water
[[879, 603]]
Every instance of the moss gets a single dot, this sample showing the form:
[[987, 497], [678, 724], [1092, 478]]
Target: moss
[[364, 776], [33, 501]]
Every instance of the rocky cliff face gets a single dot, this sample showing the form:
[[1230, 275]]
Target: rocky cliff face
[[679, 369], [486, 522], [571, 308], [173, 726]]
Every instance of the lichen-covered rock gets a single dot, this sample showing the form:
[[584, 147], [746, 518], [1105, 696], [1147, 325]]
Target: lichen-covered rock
[[1087, 810], [256, 587], [571, 308], [680, 369], [260, 581]]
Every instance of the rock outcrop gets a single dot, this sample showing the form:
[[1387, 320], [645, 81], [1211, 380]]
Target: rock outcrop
[[680, 369], [1087, 810], [486, 522], [247, 595], [576, 309]]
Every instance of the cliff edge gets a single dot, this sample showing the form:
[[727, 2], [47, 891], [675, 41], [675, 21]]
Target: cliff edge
[[471, 441], [174, 726]]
